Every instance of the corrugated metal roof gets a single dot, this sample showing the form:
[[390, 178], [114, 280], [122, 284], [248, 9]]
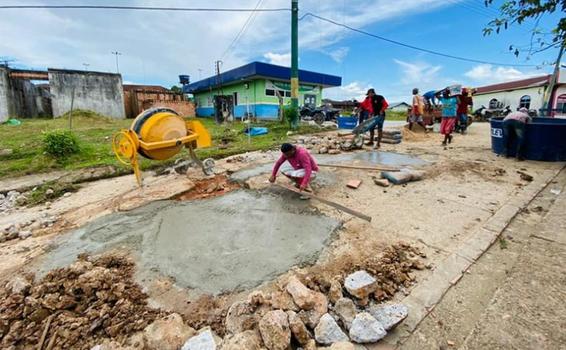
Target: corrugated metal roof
[[514, 85], [265, 70]]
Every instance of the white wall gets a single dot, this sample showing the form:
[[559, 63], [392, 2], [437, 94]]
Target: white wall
[[511, 98], [559, 91]]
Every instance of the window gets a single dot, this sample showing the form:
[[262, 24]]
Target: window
[[209, 101], [235, 98], [561, 104], [287, 93], [269, 92], [525, 102]]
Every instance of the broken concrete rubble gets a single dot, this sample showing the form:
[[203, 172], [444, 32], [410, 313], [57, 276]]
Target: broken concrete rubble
[[389, 315], [345, 309], [328, 332], [366, 329], [298, 328], [249, 340], [275, 331], [168, 333], [302, 296], [240, 318], [360, 284], [205, 340]]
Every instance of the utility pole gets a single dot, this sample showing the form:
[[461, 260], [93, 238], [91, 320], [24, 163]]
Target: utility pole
[[295, 54], [548, 94], [200, 74], [116, 53], [86, 66]]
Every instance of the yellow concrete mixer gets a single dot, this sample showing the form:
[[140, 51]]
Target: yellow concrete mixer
[[159, 134]]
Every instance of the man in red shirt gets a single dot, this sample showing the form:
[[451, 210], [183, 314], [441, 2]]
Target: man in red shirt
[[464, 101], [303, 163]]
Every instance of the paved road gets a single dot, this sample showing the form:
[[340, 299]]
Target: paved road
[[514, 296]]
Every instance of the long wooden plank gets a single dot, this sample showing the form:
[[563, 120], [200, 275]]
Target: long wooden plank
[[362, 167], [327, 202]]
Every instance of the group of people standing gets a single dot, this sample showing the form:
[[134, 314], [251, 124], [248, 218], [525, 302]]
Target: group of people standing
[[454, 108]]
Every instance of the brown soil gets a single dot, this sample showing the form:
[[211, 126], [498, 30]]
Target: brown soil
[[207, 188], [392, 269], [88, 301]]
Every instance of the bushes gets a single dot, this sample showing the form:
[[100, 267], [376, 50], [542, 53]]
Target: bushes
[[60, 144], [291, 115]]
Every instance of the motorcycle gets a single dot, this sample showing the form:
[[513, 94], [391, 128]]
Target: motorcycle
[[319, 114]]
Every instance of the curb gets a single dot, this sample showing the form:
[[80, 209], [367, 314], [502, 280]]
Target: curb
[[427, 294]]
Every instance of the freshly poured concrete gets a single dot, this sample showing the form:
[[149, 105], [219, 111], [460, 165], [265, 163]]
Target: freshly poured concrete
[[234, 241], [360, 158]]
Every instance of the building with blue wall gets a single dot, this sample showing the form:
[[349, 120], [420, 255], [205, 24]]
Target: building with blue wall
[[258, 88]]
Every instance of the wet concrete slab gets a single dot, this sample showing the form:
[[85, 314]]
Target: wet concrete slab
[[359, 158], [231, 242]]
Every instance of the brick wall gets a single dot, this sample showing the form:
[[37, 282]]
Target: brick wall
[[184, 108]]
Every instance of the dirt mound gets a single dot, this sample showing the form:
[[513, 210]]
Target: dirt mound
[[392, 269], [207, 188], [92, 299]]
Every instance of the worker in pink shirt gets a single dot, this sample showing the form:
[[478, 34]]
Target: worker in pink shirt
[[303, 163]]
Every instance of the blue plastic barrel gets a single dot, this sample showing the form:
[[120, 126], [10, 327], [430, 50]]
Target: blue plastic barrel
[[545, 139], [347, 122]]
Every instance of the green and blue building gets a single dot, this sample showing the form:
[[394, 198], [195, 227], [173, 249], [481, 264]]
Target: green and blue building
[[257, 88]]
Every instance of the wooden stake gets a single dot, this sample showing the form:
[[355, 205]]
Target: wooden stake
[[44, 334], [362, 167], [327, 202], [52, 340]]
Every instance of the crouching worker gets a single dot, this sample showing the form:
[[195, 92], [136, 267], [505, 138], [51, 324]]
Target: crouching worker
[[304, 166]]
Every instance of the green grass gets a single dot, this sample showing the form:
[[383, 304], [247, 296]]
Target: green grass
[[95, 135], [42, 194], [392, 115]]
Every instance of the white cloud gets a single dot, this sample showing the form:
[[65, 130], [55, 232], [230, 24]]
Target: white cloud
[[278, 59], [339, 54], [421, 75], [158, 46], [418, 73], [488, 74], [349, 91]]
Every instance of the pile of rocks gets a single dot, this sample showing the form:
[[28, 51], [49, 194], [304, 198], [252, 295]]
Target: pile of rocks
[[25, 229], [302, 317], [9, 201], [322, 144]]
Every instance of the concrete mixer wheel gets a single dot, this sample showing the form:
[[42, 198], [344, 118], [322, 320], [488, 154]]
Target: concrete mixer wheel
[[208, 166]]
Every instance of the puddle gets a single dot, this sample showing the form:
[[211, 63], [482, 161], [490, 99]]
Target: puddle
[[229, 242], [360, 158]]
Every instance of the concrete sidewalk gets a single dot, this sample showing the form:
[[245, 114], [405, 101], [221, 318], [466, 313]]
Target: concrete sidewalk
[[513, 296]]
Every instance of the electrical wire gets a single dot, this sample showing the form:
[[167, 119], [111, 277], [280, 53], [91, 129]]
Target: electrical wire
[[243, 29], [432, 52], [142, 8]]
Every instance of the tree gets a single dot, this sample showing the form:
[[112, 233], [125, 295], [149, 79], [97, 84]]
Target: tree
[[518, 11], [176, 89]]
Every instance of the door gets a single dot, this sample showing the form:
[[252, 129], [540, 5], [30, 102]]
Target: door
[[310, 100]]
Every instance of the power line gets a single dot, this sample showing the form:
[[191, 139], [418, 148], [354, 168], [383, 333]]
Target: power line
[[141, 8], [243, 29], [415, 47]]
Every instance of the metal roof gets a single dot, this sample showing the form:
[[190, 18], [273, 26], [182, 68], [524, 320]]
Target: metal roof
[[262, 70], [514, 85]]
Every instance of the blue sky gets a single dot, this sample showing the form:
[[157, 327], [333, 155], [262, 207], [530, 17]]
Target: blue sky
[[157, 47]]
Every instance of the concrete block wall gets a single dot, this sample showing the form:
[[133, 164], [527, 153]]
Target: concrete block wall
[[6, 104], [98, 92]]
